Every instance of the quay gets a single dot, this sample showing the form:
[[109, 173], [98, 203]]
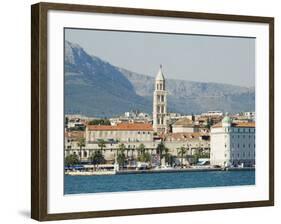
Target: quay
[[183, 170], [149, 171]]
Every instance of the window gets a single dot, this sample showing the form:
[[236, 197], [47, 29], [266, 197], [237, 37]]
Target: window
[[237, 145]]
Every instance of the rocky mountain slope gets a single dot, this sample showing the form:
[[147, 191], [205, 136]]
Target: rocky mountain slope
[[96, 88]]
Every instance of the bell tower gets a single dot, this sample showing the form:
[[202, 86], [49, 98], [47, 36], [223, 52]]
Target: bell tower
[[160, 103]]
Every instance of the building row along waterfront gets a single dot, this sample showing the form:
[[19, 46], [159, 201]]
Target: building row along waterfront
[[132, 135]]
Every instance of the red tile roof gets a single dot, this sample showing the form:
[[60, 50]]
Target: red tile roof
[[121, 127]]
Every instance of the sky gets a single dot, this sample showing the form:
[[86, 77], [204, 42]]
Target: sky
[[200, 58]]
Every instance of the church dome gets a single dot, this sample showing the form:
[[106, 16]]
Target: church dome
[[226, 121], [160, 75]]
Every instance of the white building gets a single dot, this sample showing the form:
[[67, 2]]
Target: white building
[[232, 143], [212, 113], [160, 104]]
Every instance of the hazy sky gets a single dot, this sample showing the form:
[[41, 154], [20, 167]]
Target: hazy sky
[[189, 57]]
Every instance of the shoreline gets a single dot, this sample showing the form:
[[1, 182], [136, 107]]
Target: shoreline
[[176, 170], [182, 170]]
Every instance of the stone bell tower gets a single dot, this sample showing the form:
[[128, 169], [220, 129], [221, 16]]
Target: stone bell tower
[[160, 103]]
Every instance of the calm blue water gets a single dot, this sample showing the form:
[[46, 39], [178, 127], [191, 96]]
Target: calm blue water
[[153, 181]]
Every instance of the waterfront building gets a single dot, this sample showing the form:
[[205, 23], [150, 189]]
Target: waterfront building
[[192, 142], [185, 125], [71, 139], [123, 132], [160, 103], [129, 134], [232, 143]]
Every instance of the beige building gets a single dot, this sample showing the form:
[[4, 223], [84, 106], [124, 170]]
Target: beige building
[[130, 134], [192, 142], [185, 125], [71, 139]]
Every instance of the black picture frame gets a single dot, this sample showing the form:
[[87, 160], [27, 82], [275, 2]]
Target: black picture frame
[[39, 106]]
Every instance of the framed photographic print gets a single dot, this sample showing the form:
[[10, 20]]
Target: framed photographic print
[[141, 111]]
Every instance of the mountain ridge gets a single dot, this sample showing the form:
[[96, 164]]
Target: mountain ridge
[[94, 87]]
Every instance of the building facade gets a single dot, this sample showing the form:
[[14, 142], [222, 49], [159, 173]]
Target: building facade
[[160, 104], [233, 144], [129, 134], [185, 125]]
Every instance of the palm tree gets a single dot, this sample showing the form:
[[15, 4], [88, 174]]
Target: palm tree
[[97, 157], [71, 160], [168, 156], [141, 149], [101, 144], [160, 149], [121, 148], [182, 151], [120, 155], [80, 144]]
